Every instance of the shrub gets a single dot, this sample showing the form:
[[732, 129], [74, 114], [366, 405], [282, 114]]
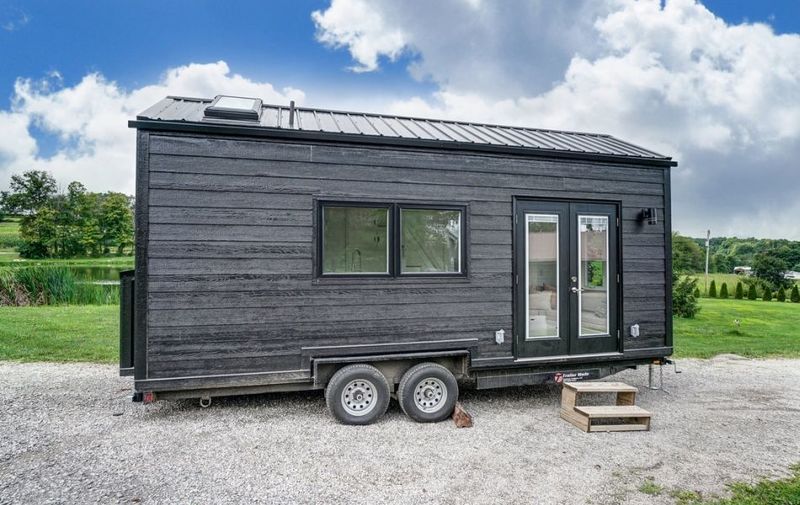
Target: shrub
[[697, 293], [795, 296], [781, 295], [739, 291], [752, 294], [723, 291], [684, 303], [712, 289], [767, 294]]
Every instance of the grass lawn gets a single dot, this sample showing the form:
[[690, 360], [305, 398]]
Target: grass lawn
[[766, 329], [60, 333]]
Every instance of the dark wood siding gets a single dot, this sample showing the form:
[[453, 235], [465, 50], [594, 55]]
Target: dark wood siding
[[231, 238]]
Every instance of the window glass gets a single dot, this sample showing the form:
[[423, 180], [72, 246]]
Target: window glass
[[593, 275], [542, 275], [430, 241], [355, 240]]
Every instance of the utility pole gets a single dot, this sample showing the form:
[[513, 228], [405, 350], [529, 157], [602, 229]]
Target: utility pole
[[708, 239]]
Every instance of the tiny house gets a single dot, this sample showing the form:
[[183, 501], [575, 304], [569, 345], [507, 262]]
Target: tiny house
[[281, 248]]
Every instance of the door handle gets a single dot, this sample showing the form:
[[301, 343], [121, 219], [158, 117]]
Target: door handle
[[576, 290]]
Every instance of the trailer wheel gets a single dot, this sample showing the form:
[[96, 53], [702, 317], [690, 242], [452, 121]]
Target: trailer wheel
[[428, 393], [357, 394]]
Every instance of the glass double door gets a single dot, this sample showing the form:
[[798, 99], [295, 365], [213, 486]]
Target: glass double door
[[565, 278]]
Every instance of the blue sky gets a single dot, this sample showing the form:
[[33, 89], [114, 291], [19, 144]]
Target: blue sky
[[716, 91], [132, 43]]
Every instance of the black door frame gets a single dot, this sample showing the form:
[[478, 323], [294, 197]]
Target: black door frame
[[561, 347]]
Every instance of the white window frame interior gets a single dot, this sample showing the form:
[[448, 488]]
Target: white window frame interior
[[530, 218], [605, 277], [460, 270], [325, 207]]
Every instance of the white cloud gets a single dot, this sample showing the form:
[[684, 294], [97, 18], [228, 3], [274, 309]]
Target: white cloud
[[90, 119], [723, 99]]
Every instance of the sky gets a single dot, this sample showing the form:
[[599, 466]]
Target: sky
[[714, 84]]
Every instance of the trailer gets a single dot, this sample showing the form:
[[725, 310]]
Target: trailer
[[283, 248]]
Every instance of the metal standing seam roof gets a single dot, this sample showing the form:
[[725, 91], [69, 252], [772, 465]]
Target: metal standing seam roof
[[382, 126]]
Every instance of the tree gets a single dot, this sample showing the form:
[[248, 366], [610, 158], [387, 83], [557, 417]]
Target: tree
[[767, 294], [795, 296], [712, 289], [723, 291], [687, 256], [739, 291], [697, 293], [684, 303], [752, 294], [116, 222], [769, 269], [781, 294], [29, 192]]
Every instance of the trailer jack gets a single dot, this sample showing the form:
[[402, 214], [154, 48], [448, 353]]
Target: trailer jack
[[651, 375], [205, 402]]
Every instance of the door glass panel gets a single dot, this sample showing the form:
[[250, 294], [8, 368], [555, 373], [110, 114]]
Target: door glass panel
[[541, 253], [593, 274]]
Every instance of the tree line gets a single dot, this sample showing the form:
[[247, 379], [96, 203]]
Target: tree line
[[725, 253], [67, 224]]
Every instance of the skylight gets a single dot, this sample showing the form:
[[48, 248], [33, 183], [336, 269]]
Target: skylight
[[234, 107]]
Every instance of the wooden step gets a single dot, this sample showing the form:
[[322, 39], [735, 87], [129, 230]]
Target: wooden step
[[612, 411], [600, 387]]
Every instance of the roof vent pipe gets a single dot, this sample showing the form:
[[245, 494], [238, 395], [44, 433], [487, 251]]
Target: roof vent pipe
[[291, 114]]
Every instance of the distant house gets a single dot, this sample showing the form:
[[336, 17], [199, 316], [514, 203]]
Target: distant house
[[743, 271]]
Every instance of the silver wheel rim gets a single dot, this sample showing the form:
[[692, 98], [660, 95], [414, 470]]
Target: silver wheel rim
[[359, 397], [430, 395]]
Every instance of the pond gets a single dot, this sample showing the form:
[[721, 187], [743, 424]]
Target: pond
[[98, 274]]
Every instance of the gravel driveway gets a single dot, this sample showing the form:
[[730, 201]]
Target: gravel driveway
[[70, 434]]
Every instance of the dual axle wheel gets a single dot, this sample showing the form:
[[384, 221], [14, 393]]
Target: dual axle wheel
[[359, 394]]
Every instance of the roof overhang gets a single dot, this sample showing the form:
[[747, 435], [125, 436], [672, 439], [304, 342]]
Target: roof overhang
[[347, 138]]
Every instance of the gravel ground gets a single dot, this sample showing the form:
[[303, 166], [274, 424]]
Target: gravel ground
[[70, 434]]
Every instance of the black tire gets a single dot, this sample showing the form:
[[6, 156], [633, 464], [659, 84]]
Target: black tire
[[365, 402], [428, 379]]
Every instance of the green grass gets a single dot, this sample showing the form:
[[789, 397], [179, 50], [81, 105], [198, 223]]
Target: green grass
[[650, 487], [765, 329], [766, 492], [62, 333], [9, 239]]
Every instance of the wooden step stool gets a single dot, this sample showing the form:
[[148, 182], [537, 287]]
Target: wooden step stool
[[629, 416]]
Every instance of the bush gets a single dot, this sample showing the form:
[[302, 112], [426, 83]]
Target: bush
[[752, 294], [697, 293], [739, 291], [684, 303], [781, 295], [767, 294], [723, 291], [795, 296], [712, 289]]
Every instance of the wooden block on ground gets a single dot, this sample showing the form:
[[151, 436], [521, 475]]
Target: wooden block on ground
[[461, 417]]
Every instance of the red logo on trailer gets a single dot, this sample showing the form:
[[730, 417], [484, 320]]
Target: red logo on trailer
[[559, 378]]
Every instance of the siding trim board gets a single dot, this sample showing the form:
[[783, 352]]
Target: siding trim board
[[228, 227]]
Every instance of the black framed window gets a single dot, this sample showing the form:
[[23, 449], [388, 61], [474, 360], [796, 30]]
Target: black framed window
[[355, 240], [390, 239], [430, 241]]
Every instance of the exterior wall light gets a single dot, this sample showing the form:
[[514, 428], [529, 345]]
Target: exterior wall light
[[649, 216]]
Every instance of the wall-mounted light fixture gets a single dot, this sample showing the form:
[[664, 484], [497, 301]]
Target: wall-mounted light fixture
[[649, 216]]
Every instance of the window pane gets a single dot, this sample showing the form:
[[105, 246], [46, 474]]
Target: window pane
[[542, 275], [431, 241], [593, 275], [355, 240]]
